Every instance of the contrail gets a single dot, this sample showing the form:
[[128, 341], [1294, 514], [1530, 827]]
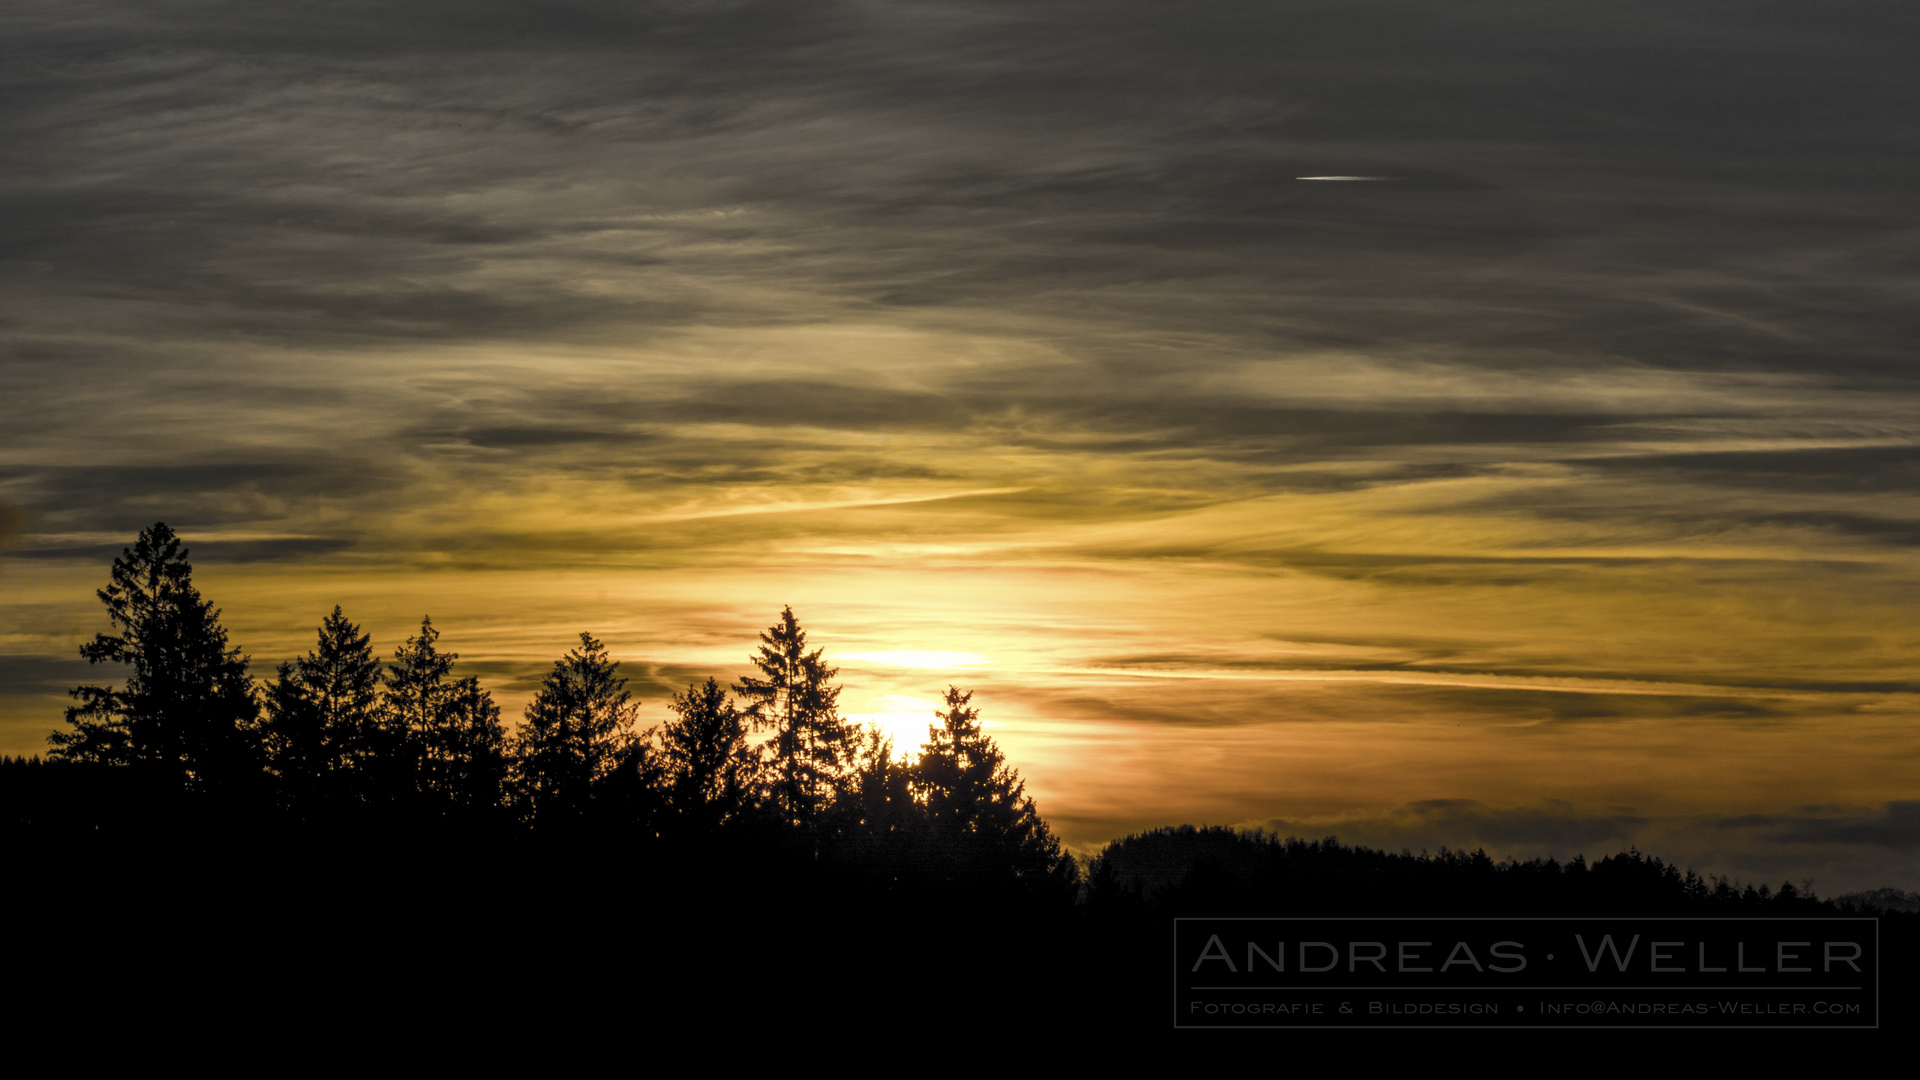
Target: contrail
[[1376, 178]]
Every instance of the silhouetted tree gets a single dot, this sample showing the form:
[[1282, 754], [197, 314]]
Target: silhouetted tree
[[875, 819], [326, 728], [451, 729], [416, 694], [977, 810], [296, 744], [473, 779], [579, 730], [958, 774], [709, 763], [187, 715], [797, 700]]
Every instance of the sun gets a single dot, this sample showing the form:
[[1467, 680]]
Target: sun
[[900, 717]]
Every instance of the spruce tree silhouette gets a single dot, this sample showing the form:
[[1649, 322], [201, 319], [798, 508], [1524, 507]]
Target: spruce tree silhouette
[[979, 817], [797, 700], [415, 696], [452, 735], [328, 733], [473, 783], [578, 732], [187, 716], [296, 747], [710, 765], [875, 818]]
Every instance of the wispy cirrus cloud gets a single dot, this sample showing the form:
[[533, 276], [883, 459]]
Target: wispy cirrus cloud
[[1005, 331]]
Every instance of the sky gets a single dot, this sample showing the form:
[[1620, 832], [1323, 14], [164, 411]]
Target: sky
[[1550, 488]]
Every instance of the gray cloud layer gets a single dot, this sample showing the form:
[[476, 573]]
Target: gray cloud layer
[[1719, 187]]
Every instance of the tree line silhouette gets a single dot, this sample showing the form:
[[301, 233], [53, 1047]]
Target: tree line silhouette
[[366, 827], [340, 744], [399, 769], [1187, 870]]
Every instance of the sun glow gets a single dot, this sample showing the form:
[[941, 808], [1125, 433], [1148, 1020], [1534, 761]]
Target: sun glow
[[900, 717]]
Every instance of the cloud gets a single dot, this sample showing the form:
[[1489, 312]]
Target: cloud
[[1863, 469], [1895, 828], [371, 177], [12, 520], [1008, 330]]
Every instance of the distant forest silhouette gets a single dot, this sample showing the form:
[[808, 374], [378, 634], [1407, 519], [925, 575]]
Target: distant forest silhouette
[[351, 788]]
